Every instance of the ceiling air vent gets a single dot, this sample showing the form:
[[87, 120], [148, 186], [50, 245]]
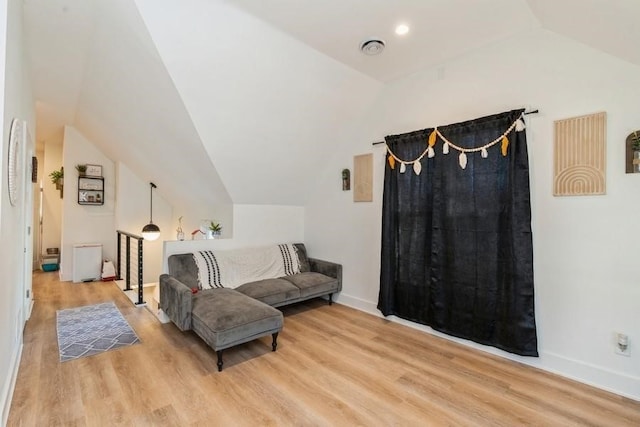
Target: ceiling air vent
[[372, 46]]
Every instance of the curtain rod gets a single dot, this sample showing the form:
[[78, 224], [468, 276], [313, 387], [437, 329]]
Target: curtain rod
[[526, 114]]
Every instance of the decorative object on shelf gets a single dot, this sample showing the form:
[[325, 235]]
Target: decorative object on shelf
[[346, 180], [215, 229], [179, 232], [94, 170], [13, 160], [210, 229], [82, 170], [150, 231]]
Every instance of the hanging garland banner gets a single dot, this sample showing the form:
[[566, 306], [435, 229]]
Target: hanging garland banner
[[429, 151]]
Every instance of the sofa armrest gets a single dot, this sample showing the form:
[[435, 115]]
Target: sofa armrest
[[327, 268], [175, 301]]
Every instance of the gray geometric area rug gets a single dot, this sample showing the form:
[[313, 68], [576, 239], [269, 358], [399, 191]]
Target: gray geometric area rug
[[92, 329]]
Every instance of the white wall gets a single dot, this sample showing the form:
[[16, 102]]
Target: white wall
[[15, 101], [132, 213], [253, 225], [585, 248], [51, 200], [193, 216], [128, 106], [265, 105], [85, 223]]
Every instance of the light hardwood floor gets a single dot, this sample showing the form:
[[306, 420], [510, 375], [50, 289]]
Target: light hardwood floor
[[335, 366]]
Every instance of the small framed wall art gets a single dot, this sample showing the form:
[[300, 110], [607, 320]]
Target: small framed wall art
[[94, 170], [363, 178]]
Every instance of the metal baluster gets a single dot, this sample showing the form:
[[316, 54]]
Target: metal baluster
[[128, 265], [140, 287]]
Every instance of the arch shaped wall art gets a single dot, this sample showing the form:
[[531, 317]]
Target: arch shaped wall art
[[579, 157]]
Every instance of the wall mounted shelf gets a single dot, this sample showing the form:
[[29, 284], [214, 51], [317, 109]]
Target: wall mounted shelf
[[90, 190]]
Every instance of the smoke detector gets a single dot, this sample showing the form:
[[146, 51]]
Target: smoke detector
[[372, 46]]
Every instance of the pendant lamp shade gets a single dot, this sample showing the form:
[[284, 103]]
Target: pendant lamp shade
[[151, 231]]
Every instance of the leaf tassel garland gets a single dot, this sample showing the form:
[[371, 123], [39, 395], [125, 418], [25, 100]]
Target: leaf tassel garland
[[462, 159], [432, 138], [519, 126], [505, 145], [417, 168]]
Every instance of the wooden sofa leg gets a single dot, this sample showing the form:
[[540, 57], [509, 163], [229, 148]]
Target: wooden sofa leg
[[219, 352], [330, 299], [274, 343]]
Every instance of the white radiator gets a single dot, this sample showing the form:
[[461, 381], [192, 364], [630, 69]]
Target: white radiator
[[87, 262]]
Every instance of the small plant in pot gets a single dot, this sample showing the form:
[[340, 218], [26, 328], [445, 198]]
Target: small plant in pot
[[635, 141], [57, 178], [82, 169], [215, 228]]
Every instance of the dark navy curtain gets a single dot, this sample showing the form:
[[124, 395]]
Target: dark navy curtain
[[456, 243]]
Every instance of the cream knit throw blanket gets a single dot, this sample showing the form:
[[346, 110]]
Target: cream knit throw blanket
[[229, 269]]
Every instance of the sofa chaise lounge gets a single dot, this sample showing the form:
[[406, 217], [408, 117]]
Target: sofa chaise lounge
[[224, 317]]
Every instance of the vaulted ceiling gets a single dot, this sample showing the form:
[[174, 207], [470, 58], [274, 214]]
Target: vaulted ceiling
[[241, 100]]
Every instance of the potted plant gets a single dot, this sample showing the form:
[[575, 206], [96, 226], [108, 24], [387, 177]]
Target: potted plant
[[635, 146], [82, 169], [57, 178], [215, 228], [635, 141]]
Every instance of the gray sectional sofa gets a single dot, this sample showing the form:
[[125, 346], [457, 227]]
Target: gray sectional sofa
[[225, 317]]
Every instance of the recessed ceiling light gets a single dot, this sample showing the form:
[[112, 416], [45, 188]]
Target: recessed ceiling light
[[402, 29]]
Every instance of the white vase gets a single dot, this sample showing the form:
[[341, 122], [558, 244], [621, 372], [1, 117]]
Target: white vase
[[212, 234]]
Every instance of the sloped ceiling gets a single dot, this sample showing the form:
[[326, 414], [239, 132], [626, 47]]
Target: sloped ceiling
[[269, 110], [608, 25], [242, 100], [440, 30], [95, 67]]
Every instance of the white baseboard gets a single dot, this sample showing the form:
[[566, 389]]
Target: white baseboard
[[596, 376], [10, 385], [593, 375], [31, 303], [162, 317], [358, 303]]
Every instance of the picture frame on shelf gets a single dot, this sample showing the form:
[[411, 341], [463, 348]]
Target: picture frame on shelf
[[94, 170]]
